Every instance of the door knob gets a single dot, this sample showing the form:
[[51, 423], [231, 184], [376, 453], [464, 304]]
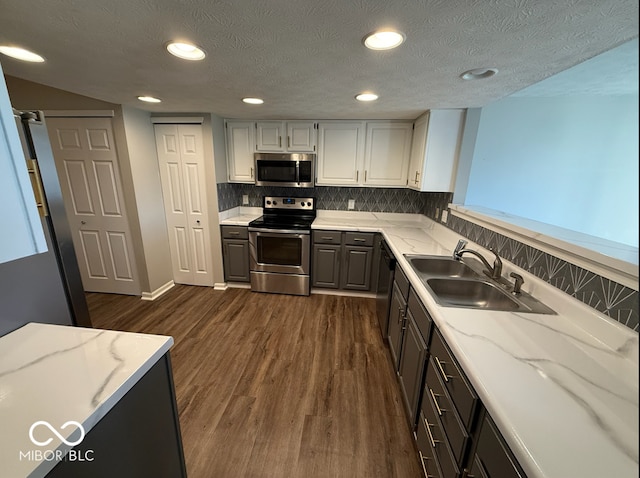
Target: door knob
[[198, 221]]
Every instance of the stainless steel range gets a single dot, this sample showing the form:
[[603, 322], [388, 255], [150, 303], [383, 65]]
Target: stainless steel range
[[280, 246]]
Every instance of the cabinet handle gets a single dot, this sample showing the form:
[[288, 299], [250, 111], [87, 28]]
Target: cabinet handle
[[423, 459], [288, 141], [235, 233], [435, 402], [442, 372], [252, 172], [357, 176], [326, 238], [401, 314], [357, 239], [365, 175], [431, 439], [280, 141], [416, 179]]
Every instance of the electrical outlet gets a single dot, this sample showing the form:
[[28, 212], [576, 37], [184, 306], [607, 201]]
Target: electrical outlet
[[245, 199], [445, 215], [351, 204]]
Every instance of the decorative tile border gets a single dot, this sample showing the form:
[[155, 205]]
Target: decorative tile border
[[613, 299]]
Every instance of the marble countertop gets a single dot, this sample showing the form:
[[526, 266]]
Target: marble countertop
[[57, 374], [563, 389]]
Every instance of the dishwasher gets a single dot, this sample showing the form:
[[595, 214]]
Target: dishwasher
[[386, 268]]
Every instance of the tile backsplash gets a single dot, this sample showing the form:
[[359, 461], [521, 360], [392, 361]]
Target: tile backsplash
[[613, 299], [336, 198]]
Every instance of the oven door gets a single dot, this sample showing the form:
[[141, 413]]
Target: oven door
[[283, 252]]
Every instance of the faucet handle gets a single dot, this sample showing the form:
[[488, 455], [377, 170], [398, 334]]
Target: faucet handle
[[518, 282], [459, 247]]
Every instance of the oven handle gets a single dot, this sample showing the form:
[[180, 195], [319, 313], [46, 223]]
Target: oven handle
[[298, 172], [275, 232]]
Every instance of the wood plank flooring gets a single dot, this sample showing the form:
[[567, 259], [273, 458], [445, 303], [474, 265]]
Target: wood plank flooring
[[273, 385]]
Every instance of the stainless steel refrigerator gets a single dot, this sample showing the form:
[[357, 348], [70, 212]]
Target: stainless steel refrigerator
[[45, 287]]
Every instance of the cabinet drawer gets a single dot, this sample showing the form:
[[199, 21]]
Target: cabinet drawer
[[430, 467], [436, 397], [438, 441], [494, 455], [358, 238], [460, 391], [235, 232], [403, 283], [327, 237], [420, 315]]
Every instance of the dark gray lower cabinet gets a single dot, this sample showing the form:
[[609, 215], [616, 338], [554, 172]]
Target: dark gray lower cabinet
[[326, 266], [235, 253], [395, 329], [493, 458], [357, 267], [138, 437], [343, 260], [411, 368]]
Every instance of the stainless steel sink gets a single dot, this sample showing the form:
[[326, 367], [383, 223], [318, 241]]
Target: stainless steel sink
[[440, 266], [471, 293], [461, 283]]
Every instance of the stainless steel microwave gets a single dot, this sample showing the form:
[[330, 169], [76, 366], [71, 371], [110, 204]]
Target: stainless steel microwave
[[285, 169]]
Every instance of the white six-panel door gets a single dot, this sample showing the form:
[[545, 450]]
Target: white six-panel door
[[87, 164], [181, 159]]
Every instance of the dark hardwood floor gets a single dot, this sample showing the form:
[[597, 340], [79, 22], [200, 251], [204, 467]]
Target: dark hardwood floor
[[274, 385]]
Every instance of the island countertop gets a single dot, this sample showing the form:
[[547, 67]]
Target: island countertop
[[56, 374]]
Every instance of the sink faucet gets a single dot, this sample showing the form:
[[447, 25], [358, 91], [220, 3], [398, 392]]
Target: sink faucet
[[495, 271]]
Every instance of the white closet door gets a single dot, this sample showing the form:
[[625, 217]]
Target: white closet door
[[181, 157], [87, 164]]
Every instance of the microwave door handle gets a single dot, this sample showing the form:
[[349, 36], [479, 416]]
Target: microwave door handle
[[298, 172]]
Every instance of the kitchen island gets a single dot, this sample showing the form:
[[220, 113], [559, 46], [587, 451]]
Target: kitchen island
[[562, 389], [86, 402]]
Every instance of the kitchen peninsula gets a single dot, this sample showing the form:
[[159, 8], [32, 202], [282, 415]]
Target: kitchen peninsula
[[86, 402], [562, 388]]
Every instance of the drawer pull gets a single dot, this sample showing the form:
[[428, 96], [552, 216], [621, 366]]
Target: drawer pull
[[327, 238], [435, 402], [431, 439], [234, 233], [442, 372], [357, 239], [423, 461]]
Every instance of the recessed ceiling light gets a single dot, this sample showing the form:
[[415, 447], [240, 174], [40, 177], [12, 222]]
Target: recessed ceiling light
[[253, 101], [384, 40], [479, 73], [21, 54], [149, 99], [366, 97], [186, 51]]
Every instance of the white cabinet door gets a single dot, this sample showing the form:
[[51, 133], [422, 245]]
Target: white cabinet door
[[181, 158], [434, 159], [240, 148], [387, 151], [269, 136], [301, 136], [340, 152], [87, 163], [289, 136]]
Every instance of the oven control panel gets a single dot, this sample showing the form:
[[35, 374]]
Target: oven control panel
[[279, 202]]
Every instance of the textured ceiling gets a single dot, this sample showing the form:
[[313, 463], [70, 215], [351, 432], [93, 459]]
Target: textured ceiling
[[305, 57]]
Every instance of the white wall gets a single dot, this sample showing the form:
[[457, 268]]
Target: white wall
[[219, 148], [153, 248], [567, 161]]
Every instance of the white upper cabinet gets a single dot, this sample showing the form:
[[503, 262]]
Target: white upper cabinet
[[387, 152], [286, 136], [434, 150], [240, 148], [340, 152]]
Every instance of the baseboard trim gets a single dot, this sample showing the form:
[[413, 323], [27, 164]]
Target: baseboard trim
[[220, 286], [346, 293], [158, 292]]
